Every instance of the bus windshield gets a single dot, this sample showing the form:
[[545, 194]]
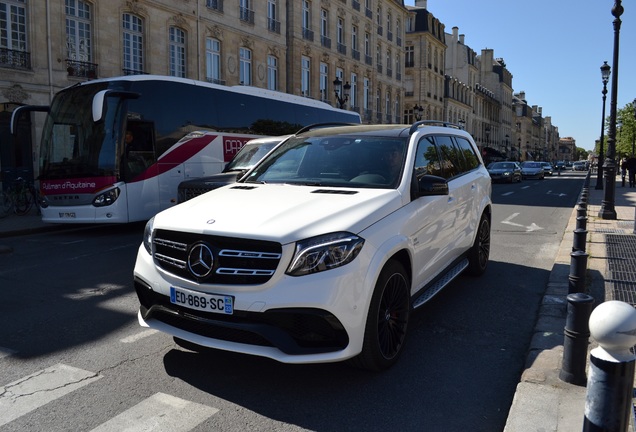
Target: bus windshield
[[73, 144]]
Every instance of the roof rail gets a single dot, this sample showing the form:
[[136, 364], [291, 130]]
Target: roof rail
[[416, 125], [324, 125]]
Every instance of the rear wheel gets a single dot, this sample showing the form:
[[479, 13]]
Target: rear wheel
[[479, 253], [5, 204], [387, 321]]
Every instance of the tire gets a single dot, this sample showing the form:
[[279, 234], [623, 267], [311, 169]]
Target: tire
[[5, 204], [23, 202], [479, 253], [387, 320]]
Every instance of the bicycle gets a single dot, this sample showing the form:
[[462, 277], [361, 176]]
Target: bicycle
[[19, 198]]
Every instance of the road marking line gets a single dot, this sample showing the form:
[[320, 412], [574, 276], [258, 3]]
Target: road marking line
[[33, 391], [138, 336], [159, 412]]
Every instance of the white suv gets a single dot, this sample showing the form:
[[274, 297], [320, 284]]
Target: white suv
[[321, 252]]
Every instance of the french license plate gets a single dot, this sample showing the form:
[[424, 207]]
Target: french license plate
[[202, 301], [67, 215]]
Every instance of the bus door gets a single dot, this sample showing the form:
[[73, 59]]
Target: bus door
[[140, 170]]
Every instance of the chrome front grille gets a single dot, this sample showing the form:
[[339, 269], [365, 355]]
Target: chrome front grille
[[235, 261]]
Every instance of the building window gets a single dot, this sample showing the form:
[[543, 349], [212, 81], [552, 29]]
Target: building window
[[272, 73], [305, 76], [213, 60], [133, 44], [306, 15], [324, 81], [245, 72], [177, 52], [366, 95], [409, 56], [78, 30], [324, 23], [273, 24]]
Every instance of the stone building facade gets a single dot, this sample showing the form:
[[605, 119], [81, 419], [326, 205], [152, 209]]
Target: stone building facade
[[389, 62]]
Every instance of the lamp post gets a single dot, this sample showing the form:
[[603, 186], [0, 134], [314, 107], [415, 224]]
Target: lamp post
[[338, 90], [634, 128], [607, 210], [462, 124], [605, 73], [506, 144], [519, 144], [418, 111]]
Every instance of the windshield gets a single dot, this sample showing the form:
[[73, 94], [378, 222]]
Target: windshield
[[502, 165], [249, 155], [73, 145], [340, 161], [531, 165]]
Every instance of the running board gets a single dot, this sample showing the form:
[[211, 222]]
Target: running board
[[447, 278]]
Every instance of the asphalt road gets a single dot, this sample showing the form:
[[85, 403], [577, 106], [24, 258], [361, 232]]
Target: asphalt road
[[73, 357]]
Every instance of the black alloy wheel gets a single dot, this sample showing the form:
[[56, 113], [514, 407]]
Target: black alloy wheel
[[479, 253], [387, 321]]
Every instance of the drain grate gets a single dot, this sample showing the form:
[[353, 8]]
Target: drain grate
[[621, 252]]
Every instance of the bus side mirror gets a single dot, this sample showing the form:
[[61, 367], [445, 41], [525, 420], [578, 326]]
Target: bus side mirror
[[99, 101], [15, 115]]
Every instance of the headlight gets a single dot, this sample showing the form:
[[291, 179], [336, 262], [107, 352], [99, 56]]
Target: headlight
[[106, 198], [148, 235], [324, 252]]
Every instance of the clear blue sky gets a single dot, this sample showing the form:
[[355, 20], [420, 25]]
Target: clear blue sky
[[554, 50]]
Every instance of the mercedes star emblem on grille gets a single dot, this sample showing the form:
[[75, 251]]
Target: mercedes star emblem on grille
[[200, 260]]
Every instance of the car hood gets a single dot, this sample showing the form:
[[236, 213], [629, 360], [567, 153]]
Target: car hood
[[500, 170], [280, 212]]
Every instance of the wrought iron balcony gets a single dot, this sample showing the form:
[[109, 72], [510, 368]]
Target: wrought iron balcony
[[81, 69], [273, 25], [325, 41], [246, 15], [308, 34], [342, 48], [15, 59], [355, 54], [217, 5], [133, 72]]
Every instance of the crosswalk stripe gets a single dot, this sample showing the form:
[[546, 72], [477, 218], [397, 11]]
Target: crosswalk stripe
[[31, 392], [160, 412]]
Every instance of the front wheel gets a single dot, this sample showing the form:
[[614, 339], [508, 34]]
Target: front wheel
[[387, 321], [479, 253]]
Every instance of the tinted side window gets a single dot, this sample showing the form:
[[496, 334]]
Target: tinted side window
[[427, 158], [470, 158], [452, 160]]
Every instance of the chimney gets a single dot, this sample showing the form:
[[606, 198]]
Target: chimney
[[461, 39], [420, 3]]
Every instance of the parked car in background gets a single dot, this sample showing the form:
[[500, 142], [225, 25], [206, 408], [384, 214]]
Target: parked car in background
[[547, 168], [252, 152], [532, 170], [579, 166], [507, 172], [322, 251]]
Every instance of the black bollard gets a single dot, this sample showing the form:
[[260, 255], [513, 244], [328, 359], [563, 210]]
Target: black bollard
[[578, 266], [581, 211], [580, 237], [576, 339], [610, 385], [581, 222]]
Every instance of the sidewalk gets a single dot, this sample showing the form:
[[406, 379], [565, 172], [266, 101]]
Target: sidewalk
[[542, 401]]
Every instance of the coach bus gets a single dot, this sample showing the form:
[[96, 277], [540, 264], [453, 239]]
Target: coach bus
[[114, 150]]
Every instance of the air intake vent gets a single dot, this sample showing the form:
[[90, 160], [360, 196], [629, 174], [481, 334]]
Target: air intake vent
[[335, 192], [244, 187]]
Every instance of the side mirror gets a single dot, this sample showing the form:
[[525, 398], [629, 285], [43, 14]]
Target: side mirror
[[430, 185], [99, 101]]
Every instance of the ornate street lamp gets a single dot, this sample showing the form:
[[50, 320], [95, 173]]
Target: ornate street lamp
[[418, 111], [337, 89], [506, 147], [605, 73], [634, 129], [462, 124], [607, 210]]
